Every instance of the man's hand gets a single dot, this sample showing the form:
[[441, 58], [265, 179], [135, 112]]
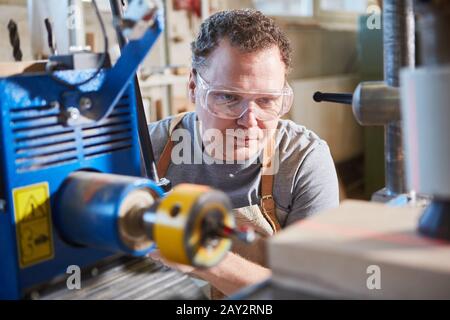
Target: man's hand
[[232, 274], [156, 255]]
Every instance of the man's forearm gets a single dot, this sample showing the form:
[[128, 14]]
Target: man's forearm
[[233, 273]]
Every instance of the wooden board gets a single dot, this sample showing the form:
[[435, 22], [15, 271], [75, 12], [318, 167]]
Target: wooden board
[[334, 253], [14, 68]]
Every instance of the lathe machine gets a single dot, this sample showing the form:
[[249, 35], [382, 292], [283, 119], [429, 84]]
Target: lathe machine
[[72, 187]]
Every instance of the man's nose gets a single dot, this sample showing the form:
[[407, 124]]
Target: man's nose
[[248, 119]]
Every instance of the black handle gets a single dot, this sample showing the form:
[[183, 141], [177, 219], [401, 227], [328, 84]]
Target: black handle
[[48, 26], [14, 39], [345, 98]]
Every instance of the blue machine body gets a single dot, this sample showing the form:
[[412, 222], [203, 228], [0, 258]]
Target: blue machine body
[[97, 210], [37, 147]]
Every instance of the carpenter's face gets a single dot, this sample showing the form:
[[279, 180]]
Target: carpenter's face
[[228, 67]]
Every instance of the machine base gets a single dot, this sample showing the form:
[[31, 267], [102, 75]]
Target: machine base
[[124, 278]]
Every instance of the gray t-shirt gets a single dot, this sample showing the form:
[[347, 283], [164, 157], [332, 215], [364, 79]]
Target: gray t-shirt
[[306, 181]]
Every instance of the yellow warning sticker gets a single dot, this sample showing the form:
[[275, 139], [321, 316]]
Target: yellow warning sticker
[[33, 224]]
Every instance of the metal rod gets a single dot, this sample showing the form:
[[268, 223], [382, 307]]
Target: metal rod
[[345, 98], [117, 13], [246, 235], [77, 41], [399, 52], [144, 135], [167, 54]]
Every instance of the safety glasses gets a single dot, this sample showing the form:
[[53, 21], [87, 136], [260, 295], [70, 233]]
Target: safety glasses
[[228, 103]]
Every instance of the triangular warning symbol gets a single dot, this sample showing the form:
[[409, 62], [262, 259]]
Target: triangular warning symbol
[[33, 209]]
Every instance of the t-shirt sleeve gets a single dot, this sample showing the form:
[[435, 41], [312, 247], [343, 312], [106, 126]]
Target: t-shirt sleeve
[[316, 185]]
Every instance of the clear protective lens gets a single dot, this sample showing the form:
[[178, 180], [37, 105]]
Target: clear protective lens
[[233, 104]]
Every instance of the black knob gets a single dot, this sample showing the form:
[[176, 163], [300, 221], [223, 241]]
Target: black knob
[[345, 98]]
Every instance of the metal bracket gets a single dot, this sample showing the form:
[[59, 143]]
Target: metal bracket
[[96, 105]]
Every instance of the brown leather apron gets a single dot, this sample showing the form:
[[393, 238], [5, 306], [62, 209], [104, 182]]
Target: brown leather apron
[[261, 217]]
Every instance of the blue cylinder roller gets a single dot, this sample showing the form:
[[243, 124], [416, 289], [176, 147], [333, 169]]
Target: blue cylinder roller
[[104, 211]]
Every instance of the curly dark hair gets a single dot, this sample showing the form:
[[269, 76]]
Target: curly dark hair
[[246, 29]]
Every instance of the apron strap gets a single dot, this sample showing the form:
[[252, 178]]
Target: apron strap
[[267, 203], [165, 158]]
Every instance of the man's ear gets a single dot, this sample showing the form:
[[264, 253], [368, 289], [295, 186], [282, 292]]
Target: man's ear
[[191, 86]]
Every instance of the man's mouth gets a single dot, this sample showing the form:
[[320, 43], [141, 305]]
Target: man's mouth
[[244, 141], [245, 138]]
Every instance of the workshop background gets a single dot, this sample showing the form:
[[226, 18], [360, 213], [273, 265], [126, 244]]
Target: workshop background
[[81, 200], [333, 52]]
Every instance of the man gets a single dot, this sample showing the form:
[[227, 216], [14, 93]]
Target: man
[[275, 171]]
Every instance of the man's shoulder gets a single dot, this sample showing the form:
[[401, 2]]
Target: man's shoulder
[[165, 123], [160, 129], [297, 139], [307, 181]]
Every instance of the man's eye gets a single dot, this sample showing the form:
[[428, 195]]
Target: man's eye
[[266, 101], [225, 97]]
